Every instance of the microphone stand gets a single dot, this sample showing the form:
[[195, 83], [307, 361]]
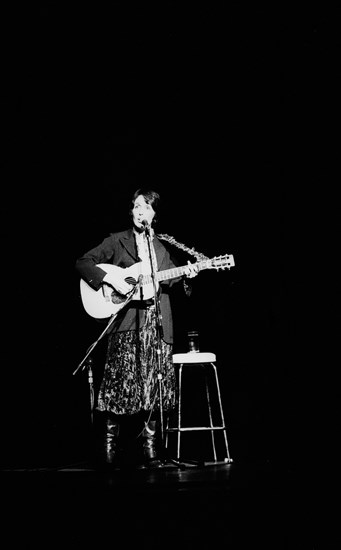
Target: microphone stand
[[87, 361], [159, 333]]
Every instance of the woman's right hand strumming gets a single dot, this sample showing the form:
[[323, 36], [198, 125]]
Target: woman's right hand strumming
[[117, 281]]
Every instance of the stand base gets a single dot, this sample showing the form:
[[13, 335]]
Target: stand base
[[182, 464]]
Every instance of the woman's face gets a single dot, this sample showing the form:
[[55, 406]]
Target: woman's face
[[142, 211]]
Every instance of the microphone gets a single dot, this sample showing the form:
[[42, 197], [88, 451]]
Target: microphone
[[145, 225]]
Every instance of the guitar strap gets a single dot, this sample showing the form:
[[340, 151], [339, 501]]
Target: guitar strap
[[198, 255]]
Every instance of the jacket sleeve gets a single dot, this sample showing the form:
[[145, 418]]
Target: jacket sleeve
[[174, 262], [86, 264]]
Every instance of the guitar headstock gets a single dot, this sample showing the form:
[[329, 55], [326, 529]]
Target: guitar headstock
[[222, 262]]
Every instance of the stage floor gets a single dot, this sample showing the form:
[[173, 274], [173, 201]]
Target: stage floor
[[215, 505]]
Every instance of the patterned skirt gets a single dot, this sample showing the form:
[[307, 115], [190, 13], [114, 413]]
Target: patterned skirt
[[130, 380]]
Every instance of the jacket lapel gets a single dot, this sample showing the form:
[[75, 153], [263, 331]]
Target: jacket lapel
[[128, 242], [160, 251]]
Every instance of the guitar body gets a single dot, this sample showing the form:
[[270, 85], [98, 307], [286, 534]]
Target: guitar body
[[106, 301]]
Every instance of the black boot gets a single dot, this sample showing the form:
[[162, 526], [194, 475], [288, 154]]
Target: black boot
[[149, 445], [110, 443]]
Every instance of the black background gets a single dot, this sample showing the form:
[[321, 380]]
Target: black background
[[232, 114]]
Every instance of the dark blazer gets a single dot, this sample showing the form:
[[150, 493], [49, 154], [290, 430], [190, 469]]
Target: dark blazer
[[120, 249]]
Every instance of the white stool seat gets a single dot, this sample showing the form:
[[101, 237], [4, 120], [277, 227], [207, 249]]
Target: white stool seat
[[194, 357]]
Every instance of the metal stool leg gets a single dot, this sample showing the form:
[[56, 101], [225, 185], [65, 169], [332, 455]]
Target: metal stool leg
[[229, 459], [210, 413], [179, 414]]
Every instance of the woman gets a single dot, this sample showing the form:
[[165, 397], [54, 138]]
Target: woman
[[130, 385]]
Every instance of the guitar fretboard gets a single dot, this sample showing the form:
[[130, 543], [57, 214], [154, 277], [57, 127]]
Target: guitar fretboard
[[173, 273]]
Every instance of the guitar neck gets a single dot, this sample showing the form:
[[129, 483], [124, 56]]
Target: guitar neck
[[172, 273]]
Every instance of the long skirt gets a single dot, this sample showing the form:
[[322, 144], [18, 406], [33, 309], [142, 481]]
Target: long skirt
[[130, 382]]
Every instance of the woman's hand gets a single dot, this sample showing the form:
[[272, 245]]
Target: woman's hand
[[116, 280], [191, 270]]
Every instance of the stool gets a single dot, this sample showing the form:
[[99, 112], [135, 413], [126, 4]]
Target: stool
[[203, 360]]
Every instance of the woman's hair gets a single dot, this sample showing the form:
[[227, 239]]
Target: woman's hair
[[151, 197]]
